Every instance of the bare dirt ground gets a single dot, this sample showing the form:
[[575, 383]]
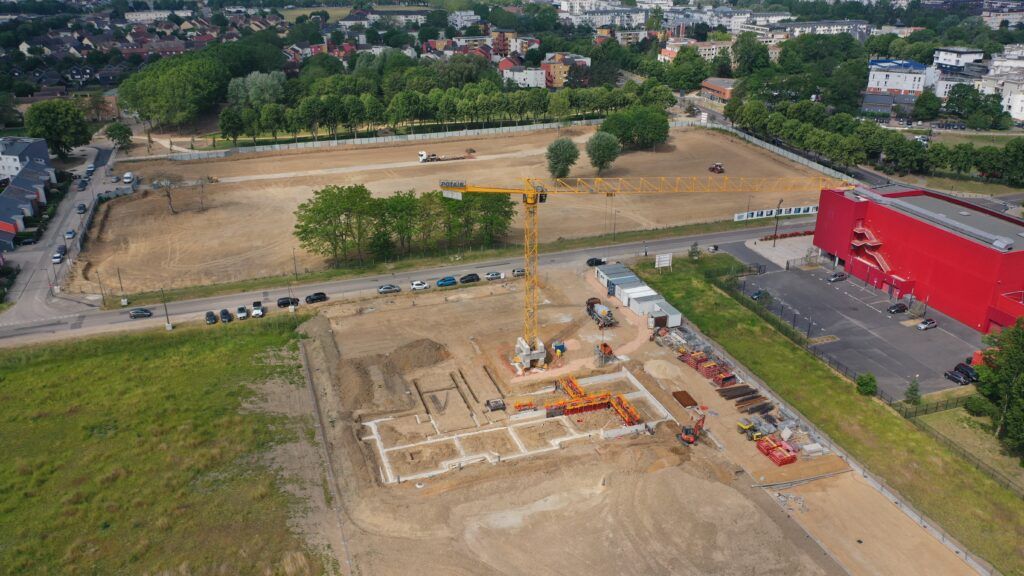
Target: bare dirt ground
[[241, 226], [634, 505]]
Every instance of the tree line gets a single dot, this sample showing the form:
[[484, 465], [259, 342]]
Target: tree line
[[844, 140], [480, 103], [1002, 388], [348, 224]]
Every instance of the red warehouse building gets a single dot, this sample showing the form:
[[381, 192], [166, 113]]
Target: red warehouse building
[[962, 259]]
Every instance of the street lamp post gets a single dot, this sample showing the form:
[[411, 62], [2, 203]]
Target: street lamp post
[[775, 236]]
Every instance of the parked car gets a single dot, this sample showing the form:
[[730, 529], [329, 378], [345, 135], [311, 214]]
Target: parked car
[[446, 281], [257, 309], [419, 285], [139, 313], [316, 297], [62, 250], [27, 241], [57, 258], [759, 294], [837, 277], [518, 272], [286, 302], [70, 234], [713, 248], [80, 209], [468, 278], [115, 179], [225, 315], [493, 276], [927, 324], [897, 308], [90, 169], [967, 370], [242, 313], [388, 289], [128, 178], [211, 318], [957, 377], [83, 184], [595, 261]]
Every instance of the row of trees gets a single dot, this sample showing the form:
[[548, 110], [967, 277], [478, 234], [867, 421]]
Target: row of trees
[[602, 150], [481, 102], [845, 140], [348, 224]]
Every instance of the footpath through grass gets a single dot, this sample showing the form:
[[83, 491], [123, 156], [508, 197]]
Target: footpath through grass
[[986, 518], [132, 455], [373, 269]]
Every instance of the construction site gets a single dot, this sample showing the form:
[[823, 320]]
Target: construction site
[[237, 224], [632, 446]]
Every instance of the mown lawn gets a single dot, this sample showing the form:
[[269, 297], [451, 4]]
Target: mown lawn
[[131, 455], [986, 518]]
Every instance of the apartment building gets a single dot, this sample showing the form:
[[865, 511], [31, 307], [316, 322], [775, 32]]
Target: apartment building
[[556, 66], [525, 77]]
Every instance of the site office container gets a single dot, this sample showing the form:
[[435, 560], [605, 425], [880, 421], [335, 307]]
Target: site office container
[[622, 288], [642, 305], [603, 273], [613, 281], [638, 292], [675, 317]]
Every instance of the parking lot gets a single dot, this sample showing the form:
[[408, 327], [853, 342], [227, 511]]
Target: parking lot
[[851, 322]]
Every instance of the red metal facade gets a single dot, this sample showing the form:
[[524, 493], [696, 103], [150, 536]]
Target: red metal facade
[[972, 282]]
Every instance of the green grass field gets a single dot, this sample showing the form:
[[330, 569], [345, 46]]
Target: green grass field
[[986, 518], [131, 455], [954, 138], [972, 433], [960, 185]]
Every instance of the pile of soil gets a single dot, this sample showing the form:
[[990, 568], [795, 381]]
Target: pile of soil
[[417, 354]]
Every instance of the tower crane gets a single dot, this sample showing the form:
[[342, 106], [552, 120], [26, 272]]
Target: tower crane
[[529, 348]]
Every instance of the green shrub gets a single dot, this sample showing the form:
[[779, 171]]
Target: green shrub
[[980, 406], [867, 385]]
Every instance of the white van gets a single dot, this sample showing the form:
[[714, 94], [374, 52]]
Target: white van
[[128, 178]]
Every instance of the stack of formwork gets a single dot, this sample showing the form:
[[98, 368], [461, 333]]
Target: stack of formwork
[[724, 379], [776, 450], [748, 400], [694, 358]]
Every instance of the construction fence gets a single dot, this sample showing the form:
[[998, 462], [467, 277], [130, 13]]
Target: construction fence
[[1003, 480], [977, 563], [378, 140], [796, 158]]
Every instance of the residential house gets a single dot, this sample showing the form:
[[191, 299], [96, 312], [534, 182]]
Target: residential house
[[556, 66], [717, 89], [525, 77], [26, 163], [461, 19]]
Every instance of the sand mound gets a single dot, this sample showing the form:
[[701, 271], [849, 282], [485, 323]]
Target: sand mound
[[418, 354]]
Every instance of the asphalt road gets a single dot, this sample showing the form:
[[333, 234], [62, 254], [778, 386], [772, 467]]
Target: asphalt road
[[194, 310]]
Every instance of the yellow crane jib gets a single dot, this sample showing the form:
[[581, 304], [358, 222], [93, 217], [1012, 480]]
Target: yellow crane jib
[[534, 191]]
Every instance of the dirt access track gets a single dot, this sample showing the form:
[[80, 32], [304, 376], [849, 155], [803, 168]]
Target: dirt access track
[[422, 367], [240, 227]]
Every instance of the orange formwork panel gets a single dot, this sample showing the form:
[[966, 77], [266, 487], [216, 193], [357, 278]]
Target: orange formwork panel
[[572, 387], [520, 406], [626, 411]]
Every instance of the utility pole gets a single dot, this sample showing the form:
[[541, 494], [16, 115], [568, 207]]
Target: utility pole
[[776, 234], [295, 265], [167, 317], [124, 299], [103, 295]]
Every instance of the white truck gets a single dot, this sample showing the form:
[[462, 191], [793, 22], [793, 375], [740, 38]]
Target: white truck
[[425, 156]]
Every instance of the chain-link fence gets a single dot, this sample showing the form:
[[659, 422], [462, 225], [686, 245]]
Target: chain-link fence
[[1000, 478], [394, 139]]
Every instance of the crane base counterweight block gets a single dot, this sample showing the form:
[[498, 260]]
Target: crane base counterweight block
[[526, 357]]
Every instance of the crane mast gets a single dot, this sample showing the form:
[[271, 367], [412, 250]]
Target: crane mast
[[530, 349]]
